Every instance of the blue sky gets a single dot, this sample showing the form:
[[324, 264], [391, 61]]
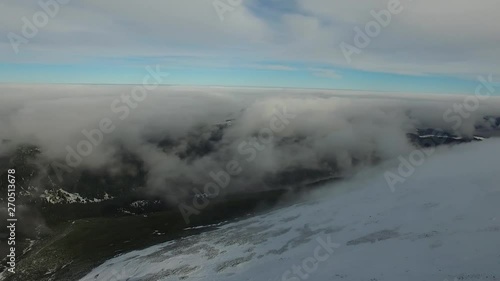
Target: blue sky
[[273, 43], [297, 78]]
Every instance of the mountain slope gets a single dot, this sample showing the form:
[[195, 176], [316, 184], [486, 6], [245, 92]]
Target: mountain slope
[[441, 223]]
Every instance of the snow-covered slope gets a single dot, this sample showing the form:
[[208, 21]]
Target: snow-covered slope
[[442, 223]]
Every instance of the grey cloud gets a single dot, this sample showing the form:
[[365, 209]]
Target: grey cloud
[[181, 134]]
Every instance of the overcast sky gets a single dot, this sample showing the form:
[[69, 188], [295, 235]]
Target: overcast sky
[[427, 46]]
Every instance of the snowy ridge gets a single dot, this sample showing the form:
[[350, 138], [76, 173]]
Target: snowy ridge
[[442, 223], [61, 196]]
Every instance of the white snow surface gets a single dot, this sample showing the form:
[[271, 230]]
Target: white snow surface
[[442, 223]]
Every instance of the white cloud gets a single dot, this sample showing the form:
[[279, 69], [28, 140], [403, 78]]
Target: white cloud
[[332, 131], [447, 37]]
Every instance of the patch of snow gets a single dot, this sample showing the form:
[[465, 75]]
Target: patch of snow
[[139, 203], [61, 196], [31, 243], [205, 226]]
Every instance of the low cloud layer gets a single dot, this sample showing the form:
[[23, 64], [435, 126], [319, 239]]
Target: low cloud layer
[[186, 137]]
